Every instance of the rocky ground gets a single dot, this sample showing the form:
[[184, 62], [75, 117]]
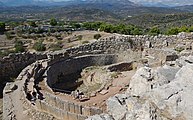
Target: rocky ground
[[1, 109], [163, 93]]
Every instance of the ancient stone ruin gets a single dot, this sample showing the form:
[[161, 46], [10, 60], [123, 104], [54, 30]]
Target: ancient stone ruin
[[116, 78]]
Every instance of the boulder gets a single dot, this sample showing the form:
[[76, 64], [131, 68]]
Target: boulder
[[116, 106], [141, 82]]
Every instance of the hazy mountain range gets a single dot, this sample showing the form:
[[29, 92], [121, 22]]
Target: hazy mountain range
[[85, 10], [169, 3], [152, 3]]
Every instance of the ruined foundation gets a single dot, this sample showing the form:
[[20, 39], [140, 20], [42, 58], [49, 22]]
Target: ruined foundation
[[56, 74]]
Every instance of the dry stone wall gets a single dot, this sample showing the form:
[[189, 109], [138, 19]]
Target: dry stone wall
[[102, 52], [13, 64], [76, 64]]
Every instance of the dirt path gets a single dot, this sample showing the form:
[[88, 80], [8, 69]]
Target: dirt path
[[17, 103]]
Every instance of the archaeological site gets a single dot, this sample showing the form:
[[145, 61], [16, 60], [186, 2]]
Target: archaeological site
[[120, 77]]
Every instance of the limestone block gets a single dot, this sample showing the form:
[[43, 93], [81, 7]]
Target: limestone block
[[95, 111], [72, 116], [38, 104], [65, 115], [44, 106], [78, 109], [86, 111], [72, 107], [66, 106], [81, 117]]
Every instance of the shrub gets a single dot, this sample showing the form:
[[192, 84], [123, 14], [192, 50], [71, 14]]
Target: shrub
[[97, 36], [19, 46], [9, 36], [2, 27], [173, 31], [39, 46], [5, 52], [179, 49], [55, 47], [154, 31], [80, 37], [85, 42], [53, 22], [32, 23]]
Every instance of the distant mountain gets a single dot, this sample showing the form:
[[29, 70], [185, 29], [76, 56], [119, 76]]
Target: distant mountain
[[1, 4], [16, 2], [153, 4], [188, 8], [160, 3], [84, 10], [63, 3]]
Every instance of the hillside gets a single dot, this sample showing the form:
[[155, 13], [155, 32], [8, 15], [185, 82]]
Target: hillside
[[148, 20], [188, 8], [83, 12], [163, 21], [68, 13], [98, 10]]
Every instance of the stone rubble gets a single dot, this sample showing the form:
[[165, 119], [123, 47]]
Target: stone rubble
[[164, 93]]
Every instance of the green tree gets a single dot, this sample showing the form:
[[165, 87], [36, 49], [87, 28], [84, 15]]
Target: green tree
[[75, 25], [92, 25], [190, 29], [32, 23], [53, 22], [136, 31], [2, 27], [39, 46], [106, 27], [183, 29], [19, 46], [172, 31], [154, 31]]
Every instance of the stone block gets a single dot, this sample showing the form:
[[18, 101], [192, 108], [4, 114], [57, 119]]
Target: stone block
[[86, 111], [72, 116], [44, 106], [81, 117], [78, 109], [66, 106], [94, 111], [64, 115], [72, 107]]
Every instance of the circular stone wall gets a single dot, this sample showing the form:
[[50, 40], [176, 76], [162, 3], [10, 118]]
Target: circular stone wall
[[64, 74]]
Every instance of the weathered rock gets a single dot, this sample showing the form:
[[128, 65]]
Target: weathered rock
[[141, 82], [171, 99], [116, 106], [100, 117]]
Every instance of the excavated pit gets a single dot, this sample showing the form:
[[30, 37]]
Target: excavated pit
[[64, 76], [67, 83]]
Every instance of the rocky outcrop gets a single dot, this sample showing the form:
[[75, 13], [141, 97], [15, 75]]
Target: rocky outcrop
[[163, 93]]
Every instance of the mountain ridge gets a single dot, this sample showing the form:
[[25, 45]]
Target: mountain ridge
[[63, 3]]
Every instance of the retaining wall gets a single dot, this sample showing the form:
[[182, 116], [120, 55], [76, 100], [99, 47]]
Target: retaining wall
[[76, 64], [71, 60]]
